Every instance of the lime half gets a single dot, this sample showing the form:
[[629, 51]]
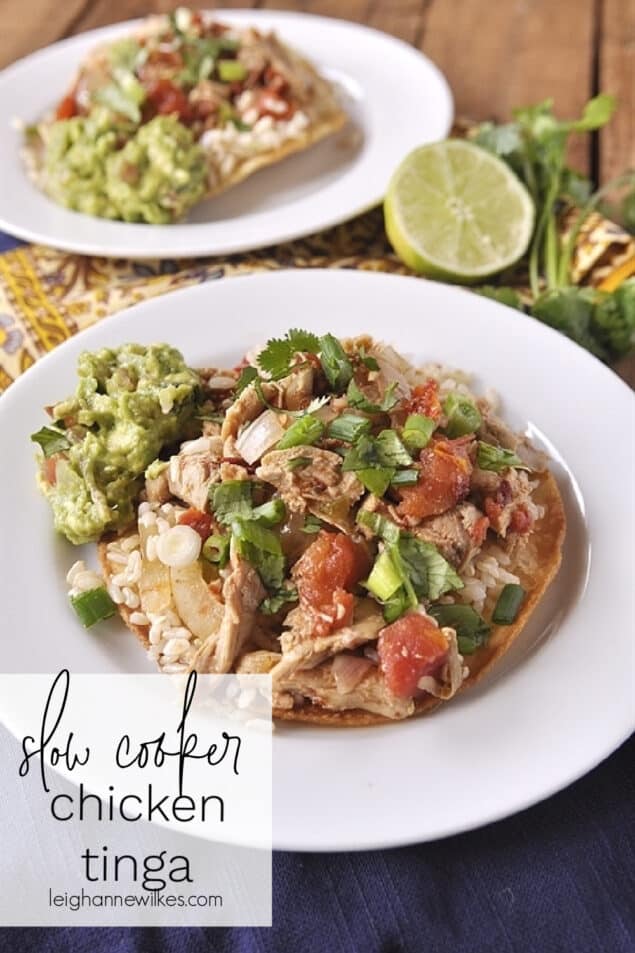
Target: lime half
[[455, 211]]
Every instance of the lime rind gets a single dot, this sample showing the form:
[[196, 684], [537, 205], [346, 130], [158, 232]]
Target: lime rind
[[456, 212]]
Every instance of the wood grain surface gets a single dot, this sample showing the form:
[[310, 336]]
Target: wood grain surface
[[495, 55]]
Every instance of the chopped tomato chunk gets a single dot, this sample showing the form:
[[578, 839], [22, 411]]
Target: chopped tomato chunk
[[521, 521], [168, 99], [199, 521], [410, 648], [424, 400], [324, 574], [49, 469], [67, 108], [444, 479], [478, 531]]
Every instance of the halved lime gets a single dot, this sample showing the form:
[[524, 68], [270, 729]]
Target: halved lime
[[455, 211]]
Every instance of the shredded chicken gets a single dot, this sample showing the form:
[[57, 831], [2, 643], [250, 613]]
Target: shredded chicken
[[242, 594], [458, 534], [451, 677], [511, 496], [300, 650], [158, 488], [194, 469], [493, 430], [319, 480], [370, 694]]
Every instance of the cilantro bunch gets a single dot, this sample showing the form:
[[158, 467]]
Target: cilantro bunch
[[534, 145]]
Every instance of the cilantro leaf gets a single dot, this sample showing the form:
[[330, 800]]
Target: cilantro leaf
[[247, 376], [275, 359], [357, 398], [262, 548], [51, 440], [231, 499], [278, 599]]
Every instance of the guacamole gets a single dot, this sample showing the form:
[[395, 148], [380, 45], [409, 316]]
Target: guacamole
[[130, 402], [98, 165]]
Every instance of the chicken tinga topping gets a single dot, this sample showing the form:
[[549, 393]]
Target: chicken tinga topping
[[326, 513], [157, 120]]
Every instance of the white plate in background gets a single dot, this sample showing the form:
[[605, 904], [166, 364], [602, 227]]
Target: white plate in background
[[396, 98]]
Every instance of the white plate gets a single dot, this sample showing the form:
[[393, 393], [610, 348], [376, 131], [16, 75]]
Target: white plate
[[562, 700], [396, 98]]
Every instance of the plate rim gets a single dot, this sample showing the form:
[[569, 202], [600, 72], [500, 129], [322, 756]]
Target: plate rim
[[136, 250], [516, 803]]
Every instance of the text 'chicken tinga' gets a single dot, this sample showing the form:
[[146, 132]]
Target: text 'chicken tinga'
[[368, 532]]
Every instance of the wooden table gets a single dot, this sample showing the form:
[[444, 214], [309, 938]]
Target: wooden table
[[496, 54]]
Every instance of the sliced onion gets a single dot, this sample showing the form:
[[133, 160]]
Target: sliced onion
[[348, 671], [391, 368], [261, 434]]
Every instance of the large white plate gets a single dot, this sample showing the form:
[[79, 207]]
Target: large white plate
[[562, 700], [396, 98]]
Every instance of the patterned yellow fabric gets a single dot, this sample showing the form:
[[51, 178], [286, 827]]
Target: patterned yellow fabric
[[46, 296]]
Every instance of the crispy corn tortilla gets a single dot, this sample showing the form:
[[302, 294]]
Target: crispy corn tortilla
[[536, 563], [325, 117]]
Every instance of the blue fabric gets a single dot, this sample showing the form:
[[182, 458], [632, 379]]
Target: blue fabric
[[558, 878], [8, 241]]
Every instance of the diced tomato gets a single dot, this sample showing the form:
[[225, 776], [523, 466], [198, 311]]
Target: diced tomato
[[444, 479], [324, 574], [49, 469], [521, 521], [478, 532], [199, 521], [270, 103], [410, 648], [424, 400], [67, 108], [168, 99]]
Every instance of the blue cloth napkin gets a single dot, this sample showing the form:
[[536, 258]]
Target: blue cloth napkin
[[558, 878]]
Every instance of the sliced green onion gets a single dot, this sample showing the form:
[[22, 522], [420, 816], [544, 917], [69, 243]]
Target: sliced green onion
[[405, 478], [508, 605], [385, 579], [231, 499], [397, 605], [471, 630], [349, 427], [216, 550], [376, 479], [271, 513], [463, 415], [335, 363], [93, 606], [231, 71], [494, 458], [391, 451], [379, 525], [302, 433], [51, 440], [417, 431]]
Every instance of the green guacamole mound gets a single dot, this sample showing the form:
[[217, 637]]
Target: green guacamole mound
[[155, 177], [130, 402]]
